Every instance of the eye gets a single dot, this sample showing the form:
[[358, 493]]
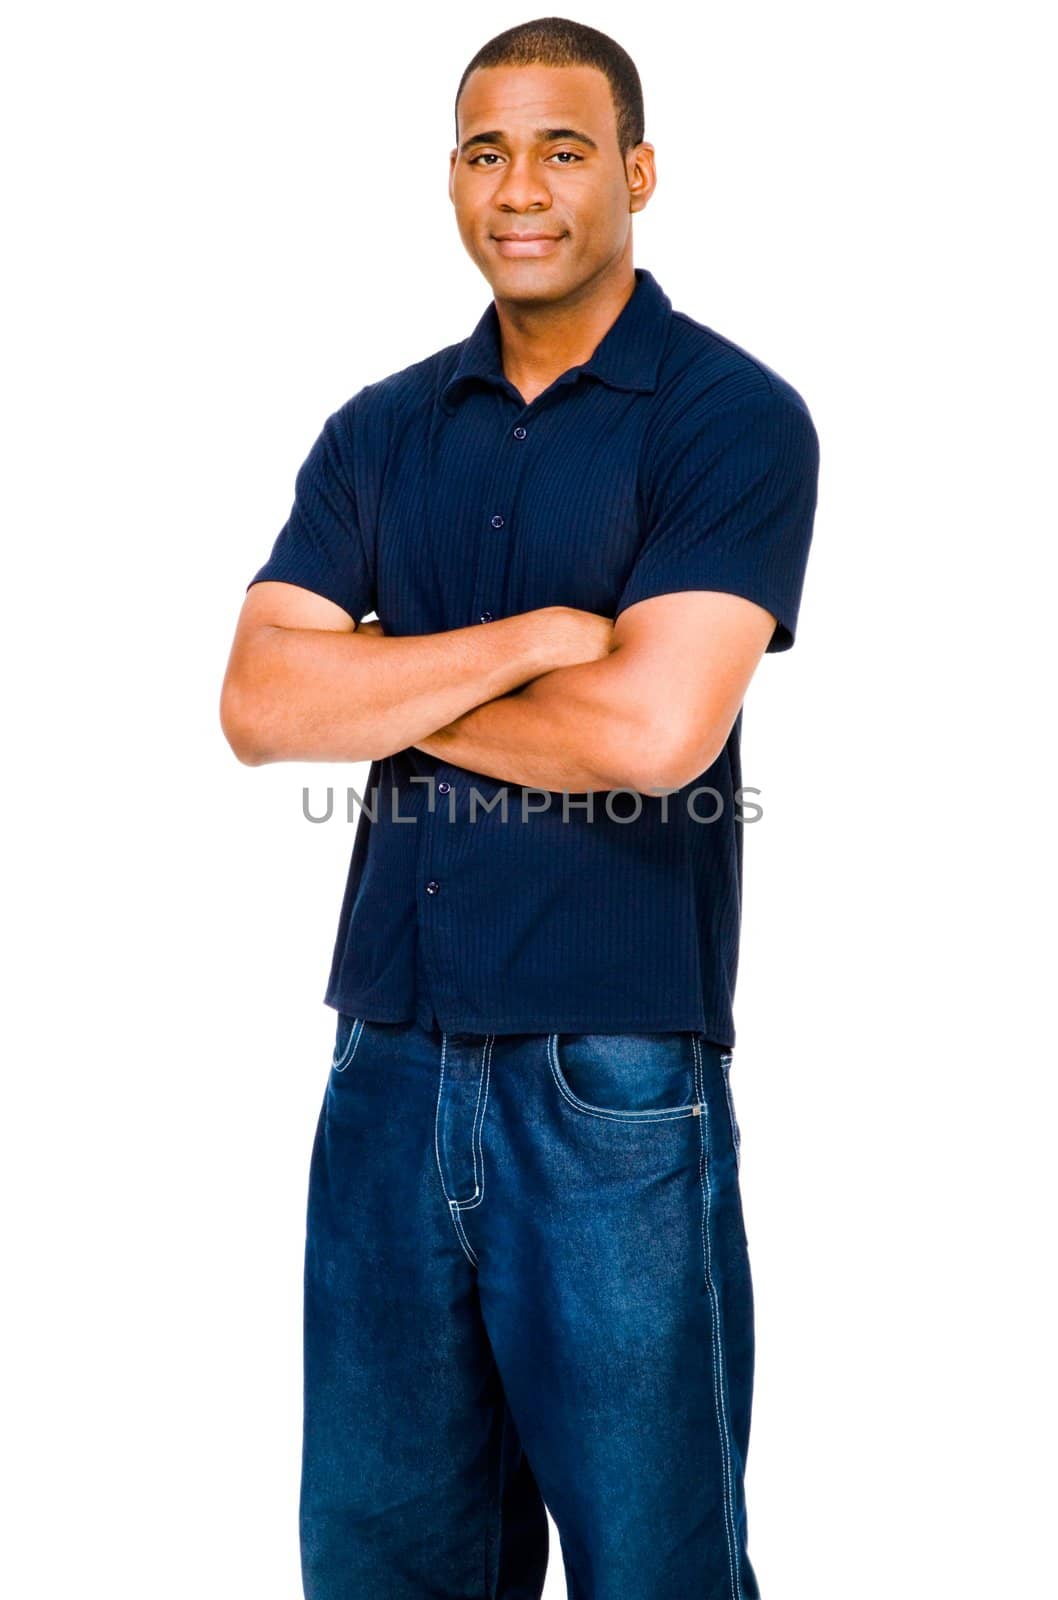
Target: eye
[[490, 156]]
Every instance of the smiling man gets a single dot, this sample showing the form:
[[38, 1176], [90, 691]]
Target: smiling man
[[527, 1281]]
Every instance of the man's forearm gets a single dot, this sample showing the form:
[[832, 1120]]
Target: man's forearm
[[577, 728], [313, 694]]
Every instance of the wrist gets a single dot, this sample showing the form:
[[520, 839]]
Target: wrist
[[534, 646]]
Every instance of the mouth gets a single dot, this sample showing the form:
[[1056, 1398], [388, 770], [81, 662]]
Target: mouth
[[527, 244]]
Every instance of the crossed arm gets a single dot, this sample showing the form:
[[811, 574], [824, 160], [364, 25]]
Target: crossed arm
[[303, 683], [653, 714]]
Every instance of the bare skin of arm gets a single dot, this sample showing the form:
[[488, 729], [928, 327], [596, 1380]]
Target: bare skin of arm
[[651, 715], [303, 683]]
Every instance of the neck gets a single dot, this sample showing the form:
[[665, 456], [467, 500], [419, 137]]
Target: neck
[[541, 340]]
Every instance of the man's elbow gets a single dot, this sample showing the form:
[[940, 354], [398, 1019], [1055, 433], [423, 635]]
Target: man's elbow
[[670, 761], [241, 725]]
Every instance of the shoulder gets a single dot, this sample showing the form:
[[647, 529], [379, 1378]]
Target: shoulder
[[711, 389], [702, 373], [367, 420], [410, 387], [701, 363]]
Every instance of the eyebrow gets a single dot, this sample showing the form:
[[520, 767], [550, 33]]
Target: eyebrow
[[542, 136]]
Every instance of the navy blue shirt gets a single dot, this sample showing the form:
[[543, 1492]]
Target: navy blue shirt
[[671, 460]]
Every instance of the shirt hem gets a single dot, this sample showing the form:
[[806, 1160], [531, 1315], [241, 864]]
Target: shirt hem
[[719, 1032]]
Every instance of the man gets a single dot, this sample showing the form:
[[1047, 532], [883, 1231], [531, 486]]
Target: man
[[526, 1279]]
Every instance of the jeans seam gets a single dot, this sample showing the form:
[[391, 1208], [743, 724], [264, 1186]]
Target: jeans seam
[[719, 1393], [476, 1148], [456, 1206], [494, 1512], [660, 1114], [736, 1133], [437, 1118], [457, 1222], [352, 1044]]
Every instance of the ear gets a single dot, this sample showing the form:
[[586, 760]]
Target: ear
[[642, 177]]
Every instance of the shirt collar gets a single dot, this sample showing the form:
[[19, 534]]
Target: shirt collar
[[626, 357]]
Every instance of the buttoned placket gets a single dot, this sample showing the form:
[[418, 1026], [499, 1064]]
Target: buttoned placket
[[438, 929]]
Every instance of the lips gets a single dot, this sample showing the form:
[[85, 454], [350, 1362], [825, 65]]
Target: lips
[[526, 244]]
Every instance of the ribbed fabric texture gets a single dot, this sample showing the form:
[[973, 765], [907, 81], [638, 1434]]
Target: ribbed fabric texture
[[671, 460]]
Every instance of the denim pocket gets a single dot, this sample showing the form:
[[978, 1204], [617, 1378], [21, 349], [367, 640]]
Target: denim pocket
[[346, 1040], [736, 1136], [627, 1077]]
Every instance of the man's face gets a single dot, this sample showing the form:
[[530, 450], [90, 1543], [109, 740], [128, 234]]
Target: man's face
[[548, 166]]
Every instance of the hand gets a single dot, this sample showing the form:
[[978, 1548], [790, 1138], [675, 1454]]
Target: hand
[[574, 637], [373, 626]]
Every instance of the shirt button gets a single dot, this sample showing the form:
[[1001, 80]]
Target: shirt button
[[443, 787], [519, 433], [433, 886], [497, 521], [486, 616]]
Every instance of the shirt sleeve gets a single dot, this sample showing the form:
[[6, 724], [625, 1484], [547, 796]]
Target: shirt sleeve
[[321, 545], [731, 501]]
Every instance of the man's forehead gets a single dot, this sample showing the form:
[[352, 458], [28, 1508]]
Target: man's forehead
[[521, 99]]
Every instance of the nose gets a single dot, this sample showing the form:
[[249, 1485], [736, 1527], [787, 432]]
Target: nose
[[522, 186]]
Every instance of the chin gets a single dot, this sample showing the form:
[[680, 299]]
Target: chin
[[526, 282]]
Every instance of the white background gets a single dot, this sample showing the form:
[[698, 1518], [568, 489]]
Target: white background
[[222, 221]]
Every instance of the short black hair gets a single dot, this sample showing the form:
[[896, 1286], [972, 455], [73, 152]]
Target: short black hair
[[558, 42]]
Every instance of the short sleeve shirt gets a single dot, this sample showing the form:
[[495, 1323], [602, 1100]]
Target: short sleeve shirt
[[671, 460]]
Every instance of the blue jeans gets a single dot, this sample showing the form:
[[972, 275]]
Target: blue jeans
[[526, 1284]]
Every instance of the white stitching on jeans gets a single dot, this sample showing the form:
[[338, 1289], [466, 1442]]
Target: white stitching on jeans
[[437, 1119], [736, 1135], [719, 1395], [455, 1206], [339, 1063], [647, 1114], [476, 1148], [464, 1241]]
